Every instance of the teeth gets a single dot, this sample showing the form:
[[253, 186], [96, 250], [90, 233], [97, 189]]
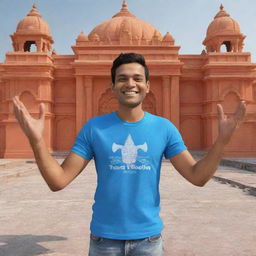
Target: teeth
[[130, 92]]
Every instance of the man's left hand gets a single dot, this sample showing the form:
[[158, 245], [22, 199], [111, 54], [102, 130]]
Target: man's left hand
[[227, 125]]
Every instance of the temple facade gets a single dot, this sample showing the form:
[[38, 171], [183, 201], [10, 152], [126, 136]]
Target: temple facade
[[184, 88]]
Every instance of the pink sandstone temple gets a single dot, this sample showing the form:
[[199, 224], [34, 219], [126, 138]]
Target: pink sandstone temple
[[185, 88]]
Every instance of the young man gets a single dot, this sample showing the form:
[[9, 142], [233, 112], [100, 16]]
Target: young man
[[127, 147]]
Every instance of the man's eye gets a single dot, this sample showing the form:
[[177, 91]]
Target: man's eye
[[122, 79], [138, 79]]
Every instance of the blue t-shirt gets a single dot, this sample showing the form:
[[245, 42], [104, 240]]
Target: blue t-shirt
[[128, 160]]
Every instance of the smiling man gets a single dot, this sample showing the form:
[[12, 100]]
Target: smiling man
[[127, 146], [130, 83]]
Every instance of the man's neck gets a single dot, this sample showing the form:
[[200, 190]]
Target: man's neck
[[130, 114]]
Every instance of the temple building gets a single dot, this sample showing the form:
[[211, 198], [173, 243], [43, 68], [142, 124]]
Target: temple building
[[185, 88]]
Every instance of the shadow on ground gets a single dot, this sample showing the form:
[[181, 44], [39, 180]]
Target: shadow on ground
[[251, 191], [25, 245]]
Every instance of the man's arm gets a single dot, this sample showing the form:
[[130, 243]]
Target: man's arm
[[198, 173], [56, 176]]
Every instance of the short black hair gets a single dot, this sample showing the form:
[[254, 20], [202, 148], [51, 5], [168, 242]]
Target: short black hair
[[125, 58]]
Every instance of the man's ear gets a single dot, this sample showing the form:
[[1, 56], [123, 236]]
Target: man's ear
[[148, 86]]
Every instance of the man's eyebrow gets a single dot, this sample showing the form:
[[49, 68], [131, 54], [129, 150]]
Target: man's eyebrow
[[121, 75], [140, 75], [124, 75]]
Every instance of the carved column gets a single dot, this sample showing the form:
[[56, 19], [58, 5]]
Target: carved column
[[39, 45], [88, 97], [21, 47], [175, 99], [80, 106], [166, 97]]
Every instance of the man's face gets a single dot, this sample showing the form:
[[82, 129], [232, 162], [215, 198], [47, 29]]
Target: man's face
[[130, 85]]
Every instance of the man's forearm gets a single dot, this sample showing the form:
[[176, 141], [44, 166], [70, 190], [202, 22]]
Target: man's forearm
[[206, 167], [50, 169]]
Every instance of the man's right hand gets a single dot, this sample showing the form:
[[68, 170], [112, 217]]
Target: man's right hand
[[57, 177], [33, 128]]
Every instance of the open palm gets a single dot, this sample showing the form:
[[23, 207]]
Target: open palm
[[33, 128], [228, 125]]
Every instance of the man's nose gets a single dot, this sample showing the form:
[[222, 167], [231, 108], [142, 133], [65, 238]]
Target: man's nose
[[131, 82]]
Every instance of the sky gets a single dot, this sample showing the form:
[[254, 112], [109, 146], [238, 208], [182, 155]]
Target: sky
[[186, 20]]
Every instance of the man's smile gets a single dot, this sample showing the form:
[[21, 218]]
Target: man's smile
[[130, 92]]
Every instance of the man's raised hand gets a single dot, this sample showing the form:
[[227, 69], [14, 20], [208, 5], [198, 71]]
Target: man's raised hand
[[228, 125], [33, 128]]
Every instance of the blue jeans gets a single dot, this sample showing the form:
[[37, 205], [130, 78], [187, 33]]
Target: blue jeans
[[150, 246]]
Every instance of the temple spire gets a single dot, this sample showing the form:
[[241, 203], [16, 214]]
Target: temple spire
[[124, 5], [124, 11], [221, 13], [34, 11]]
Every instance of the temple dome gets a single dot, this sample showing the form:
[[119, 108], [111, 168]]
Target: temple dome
[[224, 30], [223, 24], [82, 37], [33, 24], [124, 23]]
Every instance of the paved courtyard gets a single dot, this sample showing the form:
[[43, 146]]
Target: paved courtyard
[[217, 219]]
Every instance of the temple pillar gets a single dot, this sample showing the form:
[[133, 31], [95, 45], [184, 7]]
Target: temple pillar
[[88, 97], [175, 100], [166, 97], [39, 46], [80, 103], [83, 100]]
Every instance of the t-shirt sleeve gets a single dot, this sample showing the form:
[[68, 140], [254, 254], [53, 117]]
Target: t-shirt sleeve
[[83, 143], [175, 143]]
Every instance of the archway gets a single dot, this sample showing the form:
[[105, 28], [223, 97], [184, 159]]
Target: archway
[[226, 46], [149, 103], [30, 46], [29, 101], [107, 103]]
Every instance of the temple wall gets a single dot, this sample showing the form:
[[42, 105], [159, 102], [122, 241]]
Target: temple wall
[[191, 99], [64, 93], [190, 113], [2, 130], [197, 99], [156, 94], [1, 89], [103, 98]]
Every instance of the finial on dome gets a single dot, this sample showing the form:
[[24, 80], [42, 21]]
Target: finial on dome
[[34, 11], [221, 13], [124, 11], [124, 3]]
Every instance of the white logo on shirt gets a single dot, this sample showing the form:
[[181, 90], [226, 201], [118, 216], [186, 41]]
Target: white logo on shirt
[[129, 150]]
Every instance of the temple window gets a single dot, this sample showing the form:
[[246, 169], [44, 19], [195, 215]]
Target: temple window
[[226, 46], [30, 46]]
